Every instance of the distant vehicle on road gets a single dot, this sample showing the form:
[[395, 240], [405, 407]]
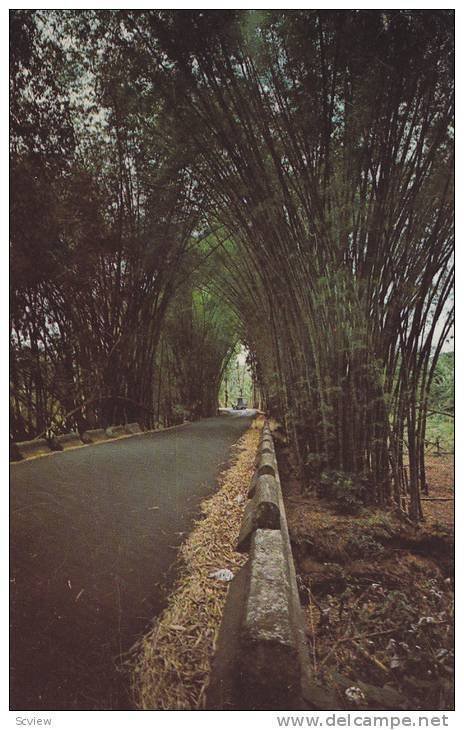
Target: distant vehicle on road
[[241, 405]]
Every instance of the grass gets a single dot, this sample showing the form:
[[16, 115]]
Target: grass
[[441, 428]]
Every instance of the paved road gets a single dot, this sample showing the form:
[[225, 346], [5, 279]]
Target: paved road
[[94, 532]]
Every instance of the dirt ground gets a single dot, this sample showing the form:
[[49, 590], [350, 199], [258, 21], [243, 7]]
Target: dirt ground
[[440, 477], [377, 594]]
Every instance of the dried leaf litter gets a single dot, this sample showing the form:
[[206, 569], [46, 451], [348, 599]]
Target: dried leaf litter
[[170, 665]]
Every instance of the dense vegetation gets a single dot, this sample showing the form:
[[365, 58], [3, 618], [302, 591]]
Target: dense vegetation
[[439, 435], [183, 181]]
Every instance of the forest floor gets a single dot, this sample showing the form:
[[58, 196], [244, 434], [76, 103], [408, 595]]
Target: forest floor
[[440, 477], [378, 596]]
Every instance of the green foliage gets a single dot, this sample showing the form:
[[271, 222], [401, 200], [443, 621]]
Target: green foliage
[[363, 545], [442, 389], [179, 414], [199, 336], [440, 420], [439, 433], [314, 464], [346, 491], [380, 525], [237, 379]]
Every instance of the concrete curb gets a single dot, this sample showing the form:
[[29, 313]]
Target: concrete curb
[[261, 512], [36, 447], [269, 670], [14, 452], [262, 659], [267, 464], [115, 431], [45, 447], [132, 428], [264, 449], [92, 437], [69, 440]]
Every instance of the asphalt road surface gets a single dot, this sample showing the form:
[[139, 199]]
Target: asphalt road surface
[[94, 535]]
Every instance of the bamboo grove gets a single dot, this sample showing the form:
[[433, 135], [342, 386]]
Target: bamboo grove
[[279, 178]]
